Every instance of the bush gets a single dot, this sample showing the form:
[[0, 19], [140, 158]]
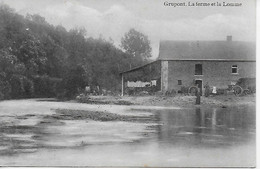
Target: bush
[[82, 98], [184, 90], [21, 87], [46, 86], [5, 90], [170, 93], [28, 87]]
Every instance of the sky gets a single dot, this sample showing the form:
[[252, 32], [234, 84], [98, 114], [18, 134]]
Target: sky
[[113, 18]]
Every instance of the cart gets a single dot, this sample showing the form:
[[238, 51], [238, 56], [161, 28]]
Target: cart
[[244, 86]]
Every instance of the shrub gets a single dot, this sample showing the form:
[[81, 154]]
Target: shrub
[[46, 86], [170, 93], [5, 90], [82, 98], [21, 87], [184, 90]]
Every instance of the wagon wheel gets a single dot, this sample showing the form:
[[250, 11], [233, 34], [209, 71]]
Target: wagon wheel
[[193, 90], [246, 91], [237, 90]]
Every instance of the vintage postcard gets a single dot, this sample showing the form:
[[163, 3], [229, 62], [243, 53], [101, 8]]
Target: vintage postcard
[[128, 83]]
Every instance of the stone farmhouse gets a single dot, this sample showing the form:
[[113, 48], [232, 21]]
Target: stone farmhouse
[[184, 63]]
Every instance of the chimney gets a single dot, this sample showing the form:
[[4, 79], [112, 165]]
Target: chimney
[[229, 38]]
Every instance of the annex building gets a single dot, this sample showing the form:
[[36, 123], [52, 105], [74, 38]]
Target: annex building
[[183, 63]]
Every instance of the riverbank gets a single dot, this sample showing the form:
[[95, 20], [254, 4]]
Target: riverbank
[[176, 101]]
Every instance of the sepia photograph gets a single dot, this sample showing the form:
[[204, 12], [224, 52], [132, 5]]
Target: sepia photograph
[[128, 83]]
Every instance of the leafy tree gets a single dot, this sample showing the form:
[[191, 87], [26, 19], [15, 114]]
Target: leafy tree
[[38, 59], [12, 81], [136, 44], [32, 54]]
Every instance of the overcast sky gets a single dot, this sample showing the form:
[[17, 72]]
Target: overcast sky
[[113, 18]]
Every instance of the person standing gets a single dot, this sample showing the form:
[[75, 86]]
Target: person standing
[[207, 89], [198, 96]]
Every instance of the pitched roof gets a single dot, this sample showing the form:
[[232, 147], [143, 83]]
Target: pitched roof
[[207, 50]]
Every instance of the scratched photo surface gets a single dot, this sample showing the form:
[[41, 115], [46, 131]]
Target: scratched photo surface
[[128, 83]]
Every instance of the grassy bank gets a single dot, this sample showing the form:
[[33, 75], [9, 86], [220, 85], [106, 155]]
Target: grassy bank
[[176, 101]]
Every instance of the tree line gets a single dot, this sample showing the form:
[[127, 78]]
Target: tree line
[[38, 59]]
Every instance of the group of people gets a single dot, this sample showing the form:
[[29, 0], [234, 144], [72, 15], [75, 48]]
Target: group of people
[[94, 90], [208, 91]]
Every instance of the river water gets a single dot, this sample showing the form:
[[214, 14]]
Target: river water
[[36, 133]]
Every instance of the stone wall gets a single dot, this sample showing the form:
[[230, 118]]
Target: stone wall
[[164, 76], [216, 73]]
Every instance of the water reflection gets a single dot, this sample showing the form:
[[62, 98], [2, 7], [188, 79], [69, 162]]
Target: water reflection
[[199, 137], [206, 126]]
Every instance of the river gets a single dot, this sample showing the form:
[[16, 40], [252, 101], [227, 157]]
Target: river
[[38, 132]]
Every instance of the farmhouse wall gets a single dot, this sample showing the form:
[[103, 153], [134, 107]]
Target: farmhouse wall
[[216, 73], [164, 76]]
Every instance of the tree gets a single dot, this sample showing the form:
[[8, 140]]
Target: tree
[[136, 44], [38, 59]]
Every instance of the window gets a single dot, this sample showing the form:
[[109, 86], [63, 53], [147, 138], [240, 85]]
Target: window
[[234, 69], [198, 69], [179, 82]]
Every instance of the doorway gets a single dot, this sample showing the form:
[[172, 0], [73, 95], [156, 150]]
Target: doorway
[[199, 83]]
